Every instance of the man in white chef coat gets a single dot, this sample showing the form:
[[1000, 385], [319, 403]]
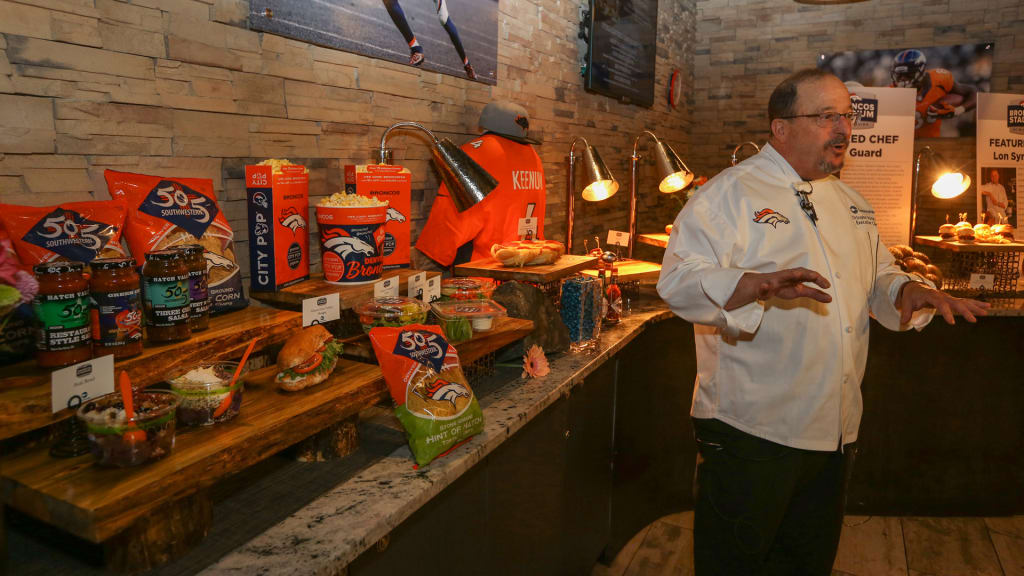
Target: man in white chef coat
[[778, 265]]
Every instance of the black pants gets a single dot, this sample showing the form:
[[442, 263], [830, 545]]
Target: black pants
[[763, 508]]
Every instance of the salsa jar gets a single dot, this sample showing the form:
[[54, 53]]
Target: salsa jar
[[61, 307], [165, 296], [198, 285], [117, 309]]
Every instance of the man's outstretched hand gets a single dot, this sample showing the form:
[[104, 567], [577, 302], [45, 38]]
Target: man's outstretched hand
[[788, 284], [914, 296]]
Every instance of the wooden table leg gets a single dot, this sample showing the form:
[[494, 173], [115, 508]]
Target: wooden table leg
[[162, 535], [3, 540], [337, 441]]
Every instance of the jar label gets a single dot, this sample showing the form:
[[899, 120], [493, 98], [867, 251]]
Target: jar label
[[118, 318], [167, 303], [199, 293], [64, 320]]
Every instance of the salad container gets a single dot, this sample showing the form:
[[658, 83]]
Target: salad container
[[467, 288], [119, 442], [460, 319], [391, 311], [205, 393]]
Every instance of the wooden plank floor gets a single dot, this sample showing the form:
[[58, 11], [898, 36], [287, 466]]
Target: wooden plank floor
[[869, 546]]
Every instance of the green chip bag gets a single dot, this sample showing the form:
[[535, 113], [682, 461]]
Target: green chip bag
[[432, 399]]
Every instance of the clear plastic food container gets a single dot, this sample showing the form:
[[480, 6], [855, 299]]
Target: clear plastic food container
[[391, 311], [467, 288], [205, 393], [119, 442], [460, 319]]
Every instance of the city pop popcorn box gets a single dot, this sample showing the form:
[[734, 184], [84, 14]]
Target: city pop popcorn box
[[392, 184], [278, 227]]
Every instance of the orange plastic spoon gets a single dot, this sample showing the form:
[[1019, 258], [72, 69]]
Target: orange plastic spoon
[[226, 402], [131, 433]]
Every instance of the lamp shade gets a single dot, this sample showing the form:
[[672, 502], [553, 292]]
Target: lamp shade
[[467, 182], [951, 185], [674, 174], [599, 182]]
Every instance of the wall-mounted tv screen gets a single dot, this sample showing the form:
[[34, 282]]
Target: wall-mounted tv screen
[[622, 48]]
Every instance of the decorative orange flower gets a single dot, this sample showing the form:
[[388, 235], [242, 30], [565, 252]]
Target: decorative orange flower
[[535, 364]]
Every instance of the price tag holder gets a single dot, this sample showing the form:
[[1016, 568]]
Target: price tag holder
[[616, 238], [321, 309], [982, 281], [433, 290], [386, 288], [73, 386], [416, 285], [528, 228]]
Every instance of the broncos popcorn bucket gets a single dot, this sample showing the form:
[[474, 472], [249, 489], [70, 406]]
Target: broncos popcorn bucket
[[350, 242]]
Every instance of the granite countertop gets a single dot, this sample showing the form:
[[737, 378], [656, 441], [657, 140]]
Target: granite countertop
[[331, 531]]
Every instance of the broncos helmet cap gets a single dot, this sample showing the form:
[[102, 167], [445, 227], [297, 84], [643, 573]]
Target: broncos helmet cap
[[908, 68], [507, 119]]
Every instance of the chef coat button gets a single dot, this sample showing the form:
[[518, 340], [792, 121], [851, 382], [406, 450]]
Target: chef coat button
[[849, 329], [838, 275]]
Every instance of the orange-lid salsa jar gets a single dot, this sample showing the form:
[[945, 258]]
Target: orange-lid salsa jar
[[62, 309], [117, 309], [166, 297]]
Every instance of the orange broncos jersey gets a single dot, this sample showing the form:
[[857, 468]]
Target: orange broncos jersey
[[937, 83], [520, 194]]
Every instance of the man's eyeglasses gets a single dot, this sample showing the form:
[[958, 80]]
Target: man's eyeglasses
[[827, 118]]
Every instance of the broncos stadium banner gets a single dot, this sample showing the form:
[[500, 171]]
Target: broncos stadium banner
[[880, 159], [946, 79], [1000, 158], [455, 37]]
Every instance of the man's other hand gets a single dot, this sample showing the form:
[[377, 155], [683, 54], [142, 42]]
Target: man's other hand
[[914, 296]]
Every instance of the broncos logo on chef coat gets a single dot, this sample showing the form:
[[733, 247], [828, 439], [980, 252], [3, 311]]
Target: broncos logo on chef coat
[[769, 216]]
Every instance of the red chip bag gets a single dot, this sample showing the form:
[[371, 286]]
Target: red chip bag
[[432, 398], [81, 231], [165, 212]]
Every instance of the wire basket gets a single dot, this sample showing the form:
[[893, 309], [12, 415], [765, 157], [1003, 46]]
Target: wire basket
[[1003, 266]]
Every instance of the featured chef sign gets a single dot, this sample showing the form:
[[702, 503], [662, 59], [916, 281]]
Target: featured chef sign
[[879, 160], [1000, 158]]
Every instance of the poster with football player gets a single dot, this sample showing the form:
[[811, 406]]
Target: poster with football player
[[455, 37], [1000, 163], [946, 79]]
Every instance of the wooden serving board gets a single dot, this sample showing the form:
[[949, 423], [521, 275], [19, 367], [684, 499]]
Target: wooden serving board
[[660, 240], [291, 297], [490, 268], [97, 503], [957, 246], [505, 331], [632, 271], [25, 397]]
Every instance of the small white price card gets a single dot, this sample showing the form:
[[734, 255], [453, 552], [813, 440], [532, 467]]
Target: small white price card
[[982, 281], [528, 228], [617, 238], [386, 288], [433, 290], [321, 309], [416, 282], [75, 385]]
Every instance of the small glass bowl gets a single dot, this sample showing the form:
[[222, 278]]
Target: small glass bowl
[[205, 393], [118, 442]]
